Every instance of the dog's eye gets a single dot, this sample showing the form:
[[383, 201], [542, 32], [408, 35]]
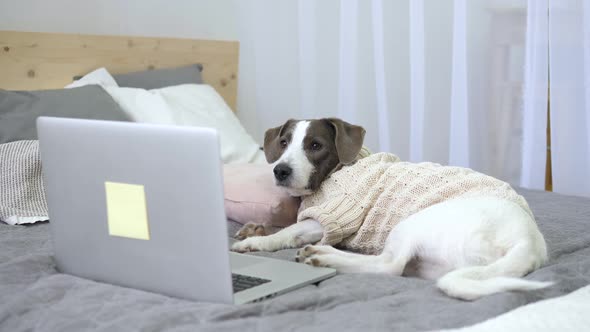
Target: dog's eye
[[283, 143], [316, 146]]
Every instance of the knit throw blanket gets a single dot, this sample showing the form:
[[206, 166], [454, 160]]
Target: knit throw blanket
[[360, 204], [22, 196]]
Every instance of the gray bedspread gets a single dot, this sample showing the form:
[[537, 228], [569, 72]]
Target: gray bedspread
[[33, 296]]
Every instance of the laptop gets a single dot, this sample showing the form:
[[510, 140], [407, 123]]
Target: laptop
[[141, 206]]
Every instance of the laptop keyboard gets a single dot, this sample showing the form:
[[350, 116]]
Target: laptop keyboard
[[242, 282]]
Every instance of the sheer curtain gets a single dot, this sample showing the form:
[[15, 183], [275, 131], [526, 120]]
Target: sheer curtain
[[558, 68], [433, 80], [569, 76], [534, 145]]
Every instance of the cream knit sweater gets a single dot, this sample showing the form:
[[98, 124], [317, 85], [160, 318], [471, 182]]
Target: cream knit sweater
[[359, 204]]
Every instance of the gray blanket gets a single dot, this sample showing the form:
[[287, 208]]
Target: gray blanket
[[33, 296]]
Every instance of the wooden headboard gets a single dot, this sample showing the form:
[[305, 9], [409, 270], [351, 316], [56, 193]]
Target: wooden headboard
[[33, 60]]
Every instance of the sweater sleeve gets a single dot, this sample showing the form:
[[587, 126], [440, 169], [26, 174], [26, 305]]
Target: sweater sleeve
[[340, 217]]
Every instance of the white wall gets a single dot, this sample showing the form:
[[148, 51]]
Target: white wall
[[199, 19], [210, 19]]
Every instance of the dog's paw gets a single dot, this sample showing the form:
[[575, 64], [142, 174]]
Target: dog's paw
[[250, 230], [258, 243], [310, 252], [319, 260], [303, 253], [247, 245]]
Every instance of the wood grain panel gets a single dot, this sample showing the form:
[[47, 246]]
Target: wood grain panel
[[32, 60]]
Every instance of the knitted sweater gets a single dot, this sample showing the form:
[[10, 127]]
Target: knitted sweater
[[359, 204]]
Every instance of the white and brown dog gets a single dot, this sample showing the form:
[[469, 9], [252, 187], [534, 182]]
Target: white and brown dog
[[473, 246]]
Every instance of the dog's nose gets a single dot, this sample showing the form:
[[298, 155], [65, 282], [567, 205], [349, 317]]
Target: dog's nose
[[282, 171]]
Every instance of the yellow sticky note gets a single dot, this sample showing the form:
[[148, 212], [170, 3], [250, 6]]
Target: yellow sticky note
[[126, 210]]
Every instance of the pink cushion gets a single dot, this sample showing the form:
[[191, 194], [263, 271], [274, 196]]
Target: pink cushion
[[252, 196]]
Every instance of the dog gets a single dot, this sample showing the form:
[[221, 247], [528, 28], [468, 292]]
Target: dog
[[472, 246]]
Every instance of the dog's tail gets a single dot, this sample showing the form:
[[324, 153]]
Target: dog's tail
[[473, 282]]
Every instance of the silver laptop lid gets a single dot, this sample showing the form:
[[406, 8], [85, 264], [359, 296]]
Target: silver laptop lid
[[137, 205]]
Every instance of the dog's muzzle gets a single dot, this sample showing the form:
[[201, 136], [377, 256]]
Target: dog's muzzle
[[282, 172]]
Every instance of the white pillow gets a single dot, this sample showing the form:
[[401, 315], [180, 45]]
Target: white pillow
[[191, 105], [99, 76], [145, 106], [185, 105]]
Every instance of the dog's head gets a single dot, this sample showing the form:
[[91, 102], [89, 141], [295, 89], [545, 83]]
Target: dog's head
[[304, 152]]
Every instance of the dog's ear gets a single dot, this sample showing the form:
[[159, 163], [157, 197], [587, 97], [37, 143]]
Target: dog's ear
[[348, 139], [272, 147]]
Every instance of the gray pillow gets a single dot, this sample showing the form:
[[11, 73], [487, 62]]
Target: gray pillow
[[160, 78], [19, 109]]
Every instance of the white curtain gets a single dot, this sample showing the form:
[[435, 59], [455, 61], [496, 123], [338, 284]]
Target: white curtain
[[433, 80], [558, 70], [534, 145], [569, 77]]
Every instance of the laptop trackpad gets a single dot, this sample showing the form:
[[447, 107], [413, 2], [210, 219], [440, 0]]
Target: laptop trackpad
[[239, 261]]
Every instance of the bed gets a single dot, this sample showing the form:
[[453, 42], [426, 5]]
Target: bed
[[34, 296]]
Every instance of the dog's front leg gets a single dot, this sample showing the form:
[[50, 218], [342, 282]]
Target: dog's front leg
[[295, 236]]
